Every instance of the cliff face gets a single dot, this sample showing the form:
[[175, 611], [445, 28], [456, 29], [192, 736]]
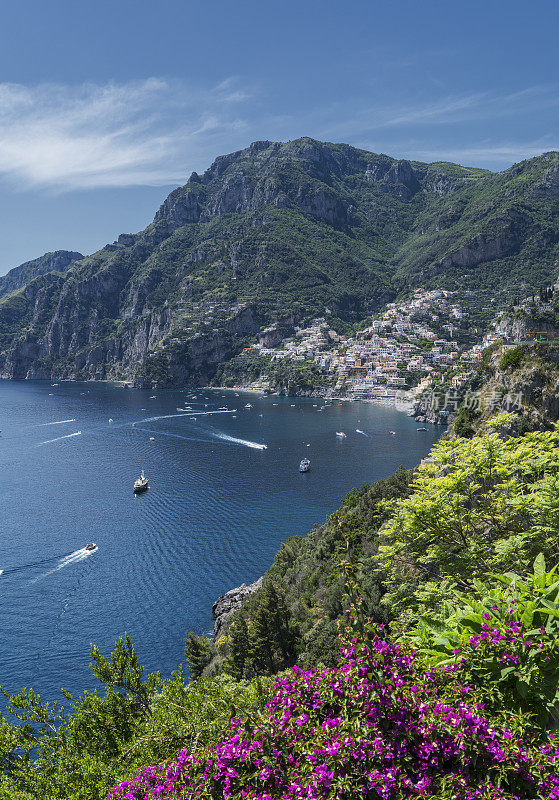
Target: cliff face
[[270, 234], [59, 261]]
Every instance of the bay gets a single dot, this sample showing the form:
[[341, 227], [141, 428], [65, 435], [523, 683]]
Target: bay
[[219, 506]]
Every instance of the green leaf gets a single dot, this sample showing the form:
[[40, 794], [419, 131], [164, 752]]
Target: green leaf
[[539, 565]]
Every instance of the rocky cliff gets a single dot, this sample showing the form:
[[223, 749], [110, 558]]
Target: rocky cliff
[[276, 233], [59, 261], [231, 601]]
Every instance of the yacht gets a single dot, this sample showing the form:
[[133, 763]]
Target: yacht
[[341, 434], [141, 484], [305, 465]]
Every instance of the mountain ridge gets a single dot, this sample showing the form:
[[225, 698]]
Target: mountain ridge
[[279, 232]]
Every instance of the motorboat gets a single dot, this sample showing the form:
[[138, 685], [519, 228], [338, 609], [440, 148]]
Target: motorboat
[[422, 429], [392, 433], [110, 419], [305, 465], [141, 484], [249, 405], [91, 546], [341, 434]]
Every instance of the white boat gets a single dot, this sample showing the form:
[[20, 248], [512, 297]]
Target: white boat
[[141, 484], [305, 465], [341, 434], [152, 438], [422, 429], [249, 405], [110, 419], [392, 433]]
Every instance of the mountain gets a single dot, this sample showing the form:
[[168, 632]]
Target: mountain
[[276, 234], [16, 278]]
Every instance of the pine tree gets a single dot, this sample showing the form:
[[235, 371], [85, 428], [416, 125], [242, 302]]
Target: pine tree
[[239, 648], [198, 652]]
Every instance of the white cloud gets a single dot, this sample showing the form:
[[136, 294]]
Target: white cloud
[[155, 132], [485, 154], [150, 132]]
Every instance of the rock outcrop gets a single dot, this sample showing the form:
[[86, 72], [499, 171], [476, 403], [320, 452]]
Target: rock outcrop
[[231, 601]]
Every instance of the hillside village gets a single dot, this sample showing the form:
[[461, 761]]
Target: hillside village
[[407, 346]]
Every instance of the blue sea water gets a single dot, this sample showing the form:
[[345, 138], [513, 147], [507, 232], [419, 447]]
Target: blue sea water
[[218, 508]]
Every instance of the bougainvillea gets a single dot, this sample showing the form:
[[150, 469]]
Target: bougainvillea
[[373, 727]]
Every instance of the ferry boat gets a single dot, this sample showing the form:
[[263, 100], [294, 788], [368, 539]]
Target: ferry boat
[[305, 465], [141, 484]]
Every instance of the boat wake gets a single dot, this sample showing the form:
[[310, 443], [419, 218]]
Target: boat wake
[[59, 438], [58, 422], [71, 558], [187, 414], [245, 442]]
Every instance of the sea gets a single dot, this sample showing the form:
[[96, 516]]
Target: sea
[[225, 492]]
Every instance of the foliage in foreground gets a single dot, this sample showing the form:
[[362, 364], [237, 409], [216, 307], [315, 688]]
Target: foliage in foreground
[[503, 640], [48, 753], [375, 726], [487, 504]]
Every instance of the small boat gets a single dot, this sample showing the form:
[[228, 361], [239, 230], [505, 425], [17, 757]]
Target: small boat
[[152, 438], [141, 484], [392, 433], [422, 429], [54, 384], [91, 546], [249, 405], [305, 465], [110, 419], [341, 434], [153, 397]]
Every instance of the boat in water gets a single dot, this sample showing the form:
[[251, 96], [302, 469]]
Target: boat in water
[[392, 433], [141, 484], [91, 546], [341, 434], [305, 465], [422, 429]]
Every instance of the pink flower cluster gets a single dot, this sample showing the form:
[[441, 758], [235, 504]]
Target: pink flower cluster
[[373, 727]]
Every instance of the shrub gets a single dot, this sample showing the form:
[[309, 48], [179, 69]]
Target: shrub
[[511, 359], [502, 641], [376, 726]]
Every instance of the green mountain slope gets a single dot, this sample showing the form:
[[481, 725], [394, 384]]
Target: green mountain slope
[[16, 278], [279, 232]]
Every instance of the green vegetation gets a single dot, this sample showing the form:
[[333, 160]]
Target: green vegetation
[[449, 561], [511, 359]]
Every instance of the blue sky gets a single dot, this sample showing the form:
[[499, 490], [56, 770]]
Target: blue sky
[[106, 106]]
